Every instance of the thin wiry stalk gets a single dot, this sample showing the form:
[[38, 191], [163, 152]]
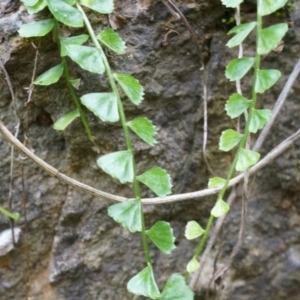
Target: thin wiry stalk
[[124, 126]]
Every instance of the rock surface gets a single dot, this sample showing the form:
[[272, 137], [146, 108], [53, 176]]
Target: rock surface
[[75, 250]]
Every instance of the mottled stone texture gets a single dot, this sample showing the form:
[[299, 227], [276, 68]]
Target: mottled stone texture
[[75, 250]]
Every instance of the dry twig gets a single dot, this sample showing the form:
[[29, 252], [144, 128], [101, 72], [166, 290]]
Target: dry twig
[[17, 127], [157, 200]]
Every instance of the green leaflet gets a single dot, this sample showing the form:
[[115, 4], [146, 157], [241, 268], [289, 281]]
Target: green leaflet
[[118, 165], [65, 13], [38, 6], [266, 7], [70, 2], [229, 139], [73, 40], [216, 182], [144, 284], [236, 105], [103, 105], [38, 28], [14, 216], [259, 119], [177, 289], [101, 6], [269, 38], [128, 214], [75, 83], [238, 68], [29, 2], [193, 265], [50, 76], [144, 128], [266, 79], [231, 3], [193, 230], [221, 208], [66, 120], [162, 236], [157, 180], [131, 87], [112, 40], [246, 159], [242, 31], [88, 58]]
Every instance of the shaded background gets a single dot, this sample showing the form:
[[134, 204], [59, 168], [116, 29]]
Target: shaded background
[[76, 251]]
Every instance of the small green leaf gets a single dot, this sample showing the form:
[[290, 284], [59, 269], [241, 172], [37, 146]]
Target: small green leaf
[[73, 40], [157, 180], [229, 139], [246, 159], [70, 2], [118, 165], [162, 236], [193, 230], [88, 58], [236, 105], [144, 284], [38, 6], [216, 182], [101, 6], [177, 289], [65, 13], [76, 83], [128, 214], [231, 3], [242, 31], [50, 76], [14, 216], [221, 208], [238, 68], [131, 87], [193, 265], [29, 2], [144, 129], [38, 28], [265, 79], [269, 38], [259, 119], [266, 7], [112, 40], [103, 105], [66, 120]]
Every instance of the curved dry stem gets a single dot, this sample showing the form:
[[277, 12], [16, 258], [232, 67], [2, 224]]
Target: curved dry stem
[[169, 199], [12, 150]]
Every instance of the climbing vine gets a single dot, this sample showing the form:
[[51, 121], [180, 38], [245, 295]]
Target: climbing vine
[[266, 40], [108, 107], [88, 51]]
